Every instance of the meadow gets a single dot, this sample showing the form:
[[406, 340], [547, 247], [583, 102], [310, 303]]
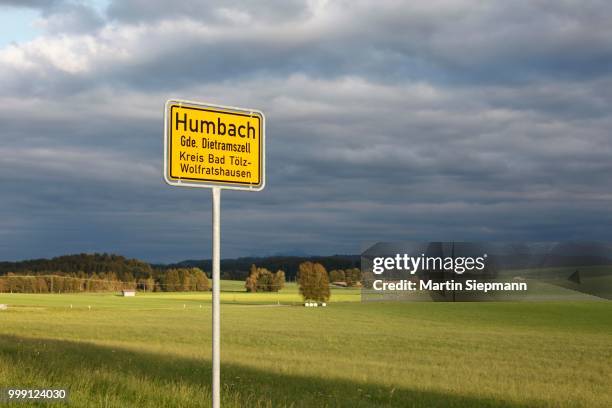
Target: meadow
[[153, 350]]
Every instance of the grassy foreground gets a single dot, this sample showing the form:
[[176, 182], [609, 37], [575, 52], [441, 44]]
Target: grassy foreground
[[154, 351]]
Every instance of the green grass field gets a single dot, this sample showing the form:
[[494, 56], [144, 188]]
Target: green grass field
[[154, 351]]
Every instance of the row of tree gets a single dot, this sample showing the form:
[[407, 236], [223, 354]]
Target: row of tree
[[58, 284], [239, 268], [134, 270], [263, 280], [104, 272], [312, 279], [125, 269], [174, 280], [349, 277], [183, 280]]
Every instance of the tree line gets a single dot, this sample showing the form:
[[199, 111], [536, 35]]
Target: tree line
[[183, 280], [108, 272], [174, 280], [312, 279], [96, 273], [60, 284], [240, 268], [346, 277], [125, 269]]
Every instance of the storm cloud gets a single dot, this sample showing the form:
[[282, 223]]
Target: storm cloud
[[450, 120]]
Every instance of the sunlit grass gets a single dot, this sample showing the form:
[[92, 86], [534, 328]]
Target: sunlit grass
[[154, 350]]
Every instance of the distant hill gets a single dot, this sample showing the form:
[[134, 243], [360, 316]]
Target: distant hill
[[129, 269], [238, 268], [81, 264]]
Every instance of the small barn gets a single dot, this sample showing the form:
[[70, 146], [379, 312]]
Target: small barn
[[128, 292]]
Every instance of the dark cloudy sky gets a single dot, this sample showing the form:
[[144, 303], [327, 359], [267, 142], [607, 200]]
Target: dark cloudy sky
[[387, 120]]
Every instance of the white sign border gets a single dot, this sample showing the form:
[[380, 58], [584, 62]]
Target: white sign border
[[212, 184]]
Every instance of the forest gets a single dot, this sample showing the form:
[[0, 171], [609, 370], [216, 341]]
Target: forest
[[96, 273], [109, 272]]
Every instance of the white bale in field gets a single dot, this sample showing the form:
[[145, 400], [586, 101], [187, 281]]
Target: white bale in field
[[3, 306], [324, 304], [315, 304]]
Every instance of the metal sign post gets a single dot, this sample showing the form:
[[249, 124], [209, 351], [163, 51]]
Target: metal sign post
[[215, 147], [216, 293]]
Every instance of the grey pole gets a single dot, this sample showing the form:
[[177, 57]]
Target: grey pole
[[216, 306]]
